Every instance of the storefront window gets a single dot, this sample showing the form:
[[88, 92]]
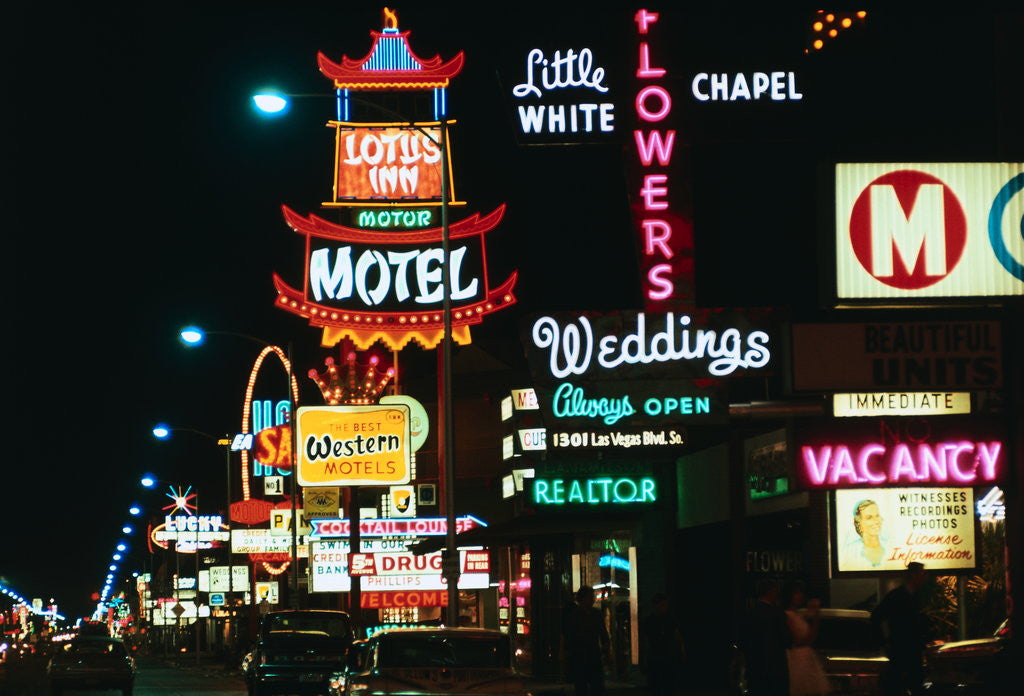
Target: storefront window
[[514, 603]]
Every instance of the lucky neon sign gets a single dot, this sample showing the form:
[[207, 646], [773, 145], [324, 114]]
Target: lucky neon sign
[[960, 462], [574, 69], [562, 491], [573, 349]]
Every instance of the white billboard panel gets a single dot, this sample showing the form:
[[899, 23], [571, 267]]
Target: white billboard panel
[[929, 230], [884, 529]]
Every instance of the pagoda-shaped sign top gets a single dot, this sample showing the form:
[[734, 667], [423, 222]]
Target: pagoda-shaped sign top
[[390, 64]]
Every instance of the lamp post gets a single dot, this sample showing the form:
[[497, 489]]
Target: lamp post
[[275, 103], [195, 336]]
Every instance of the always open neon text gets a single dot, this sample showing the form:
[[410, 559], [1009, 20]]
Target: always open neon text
[[955, 462]]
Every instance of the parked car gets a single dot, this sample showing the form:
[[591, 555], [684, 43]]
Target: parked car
[[428, 661], [299, 651], [970, 666], [91, 662], [354, 664], [851, 651]]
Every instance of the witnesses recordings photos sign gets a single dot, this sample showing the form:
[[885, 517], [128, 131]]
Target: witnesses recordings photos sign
[[883, 530]]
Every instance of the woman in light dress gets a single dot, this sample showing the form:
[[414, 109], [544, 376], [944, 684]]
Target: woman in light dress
[[806, 676]]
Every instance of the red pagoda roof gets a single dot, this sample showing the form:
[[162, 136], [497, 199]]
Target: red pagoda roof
[[390, 64]]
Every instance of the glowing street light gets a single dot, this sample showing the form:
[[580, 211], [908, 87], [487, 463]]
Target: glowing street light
[[127, 529], [135, 510], [148, 481], [270, 103], [161, 432]]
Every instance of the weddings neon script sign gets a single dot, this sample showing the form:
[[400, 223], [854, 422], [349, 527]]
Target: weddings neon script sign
[[873, 464], [573, 348]]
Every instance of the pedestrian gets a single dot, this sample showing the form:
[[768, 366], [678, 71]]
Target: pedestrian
[[661, 643], [904, 632], [806, 675], [764, 640], [587, 645]]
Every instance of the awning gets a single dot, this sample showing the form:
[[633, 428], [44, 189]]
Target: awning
[[523, 528]]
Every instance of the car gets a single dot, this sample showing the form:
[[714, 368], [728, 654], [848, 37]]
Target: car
[[851, 651], [91, 662], [970, 666], [354, 663], [428, 661], [299, 651]]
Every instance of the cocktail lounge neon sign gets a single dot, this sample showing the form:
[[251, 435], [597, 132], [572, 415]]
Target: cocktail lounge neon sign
[[560, 491], [960, 462]]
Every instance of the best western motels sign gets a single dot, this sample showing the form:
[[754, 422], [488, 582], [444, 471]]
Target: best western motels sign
[[929, 230]]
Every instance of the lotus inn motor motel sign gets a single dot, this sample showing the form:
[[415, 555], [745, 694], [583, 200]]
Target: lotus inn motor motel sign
[[929, 230]]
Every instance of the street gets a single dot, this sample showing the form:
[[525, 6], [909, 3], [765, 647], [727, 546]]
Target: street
[[154, 678]]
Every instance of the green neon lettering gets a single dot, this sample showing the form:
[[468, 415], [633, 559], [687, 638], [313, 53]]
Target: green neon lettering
[[558, 491], [424, 218], [652, 407], [619, 497], [686, 404], [605, 484], [540, 491], [647, 492], [671, 404], [703, 404], [365, 218], [576, 493]]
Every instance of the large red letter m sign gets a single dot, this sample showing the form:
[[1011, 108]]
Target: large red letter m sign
[[907, 229]]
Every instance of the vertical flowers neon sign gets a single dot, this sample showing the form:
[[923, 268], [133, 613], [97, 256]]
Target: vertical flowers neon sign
[[654, 148]]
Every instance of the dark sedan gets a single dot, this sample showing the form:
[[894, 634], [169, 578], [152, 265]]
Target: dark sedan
[[970, 666], [91, 663]]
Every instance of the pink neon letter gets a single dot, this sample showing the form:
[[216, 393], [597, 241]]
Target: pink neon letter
[[842, 468], [989, 453], [863, 459], [656, 234], [645, 70], [643, 19], [654, 186], [932, 462], [664, 285], [953, 460], [902, 463], [641, 106], [655, 145], [815, 467]]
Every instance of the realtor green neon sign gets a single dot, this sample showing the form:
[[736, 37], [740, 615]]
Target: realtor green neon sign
[[593, 491]]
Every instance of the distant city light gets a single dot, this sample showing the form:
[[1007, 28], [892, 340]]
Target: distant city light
[[161, 432], [135, 510], [148, 481]]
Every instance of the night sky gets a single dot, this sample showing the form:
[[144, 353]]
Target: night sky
[[147, 194]]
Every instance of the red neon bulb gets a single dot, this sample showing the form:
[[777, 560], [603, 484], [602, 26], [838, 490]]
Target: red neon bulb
[[962, 462], [641, 103]]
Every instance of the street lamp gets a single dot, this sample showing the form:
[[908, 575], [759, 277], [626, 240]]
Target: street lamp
[[193, 336], [450, 565]]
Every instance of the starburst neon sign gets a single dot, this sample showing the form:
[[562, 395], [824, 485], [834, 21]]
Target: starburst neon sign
[[181, 501]]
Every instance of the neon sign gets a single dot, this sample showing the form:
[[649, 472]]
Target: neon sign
[[396, 527], [777, 86], [353, 445], [666, 237], [406, 598], [562, 491], [574, 69], [571, 401], [403, 218], [954, 462], [573, 348], [901, 404], [392, 162], [613, 562], [617, 439]]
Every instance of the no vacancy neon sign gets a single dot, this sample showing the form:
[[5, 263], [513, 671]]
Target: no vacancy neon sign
[[958, 462]]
